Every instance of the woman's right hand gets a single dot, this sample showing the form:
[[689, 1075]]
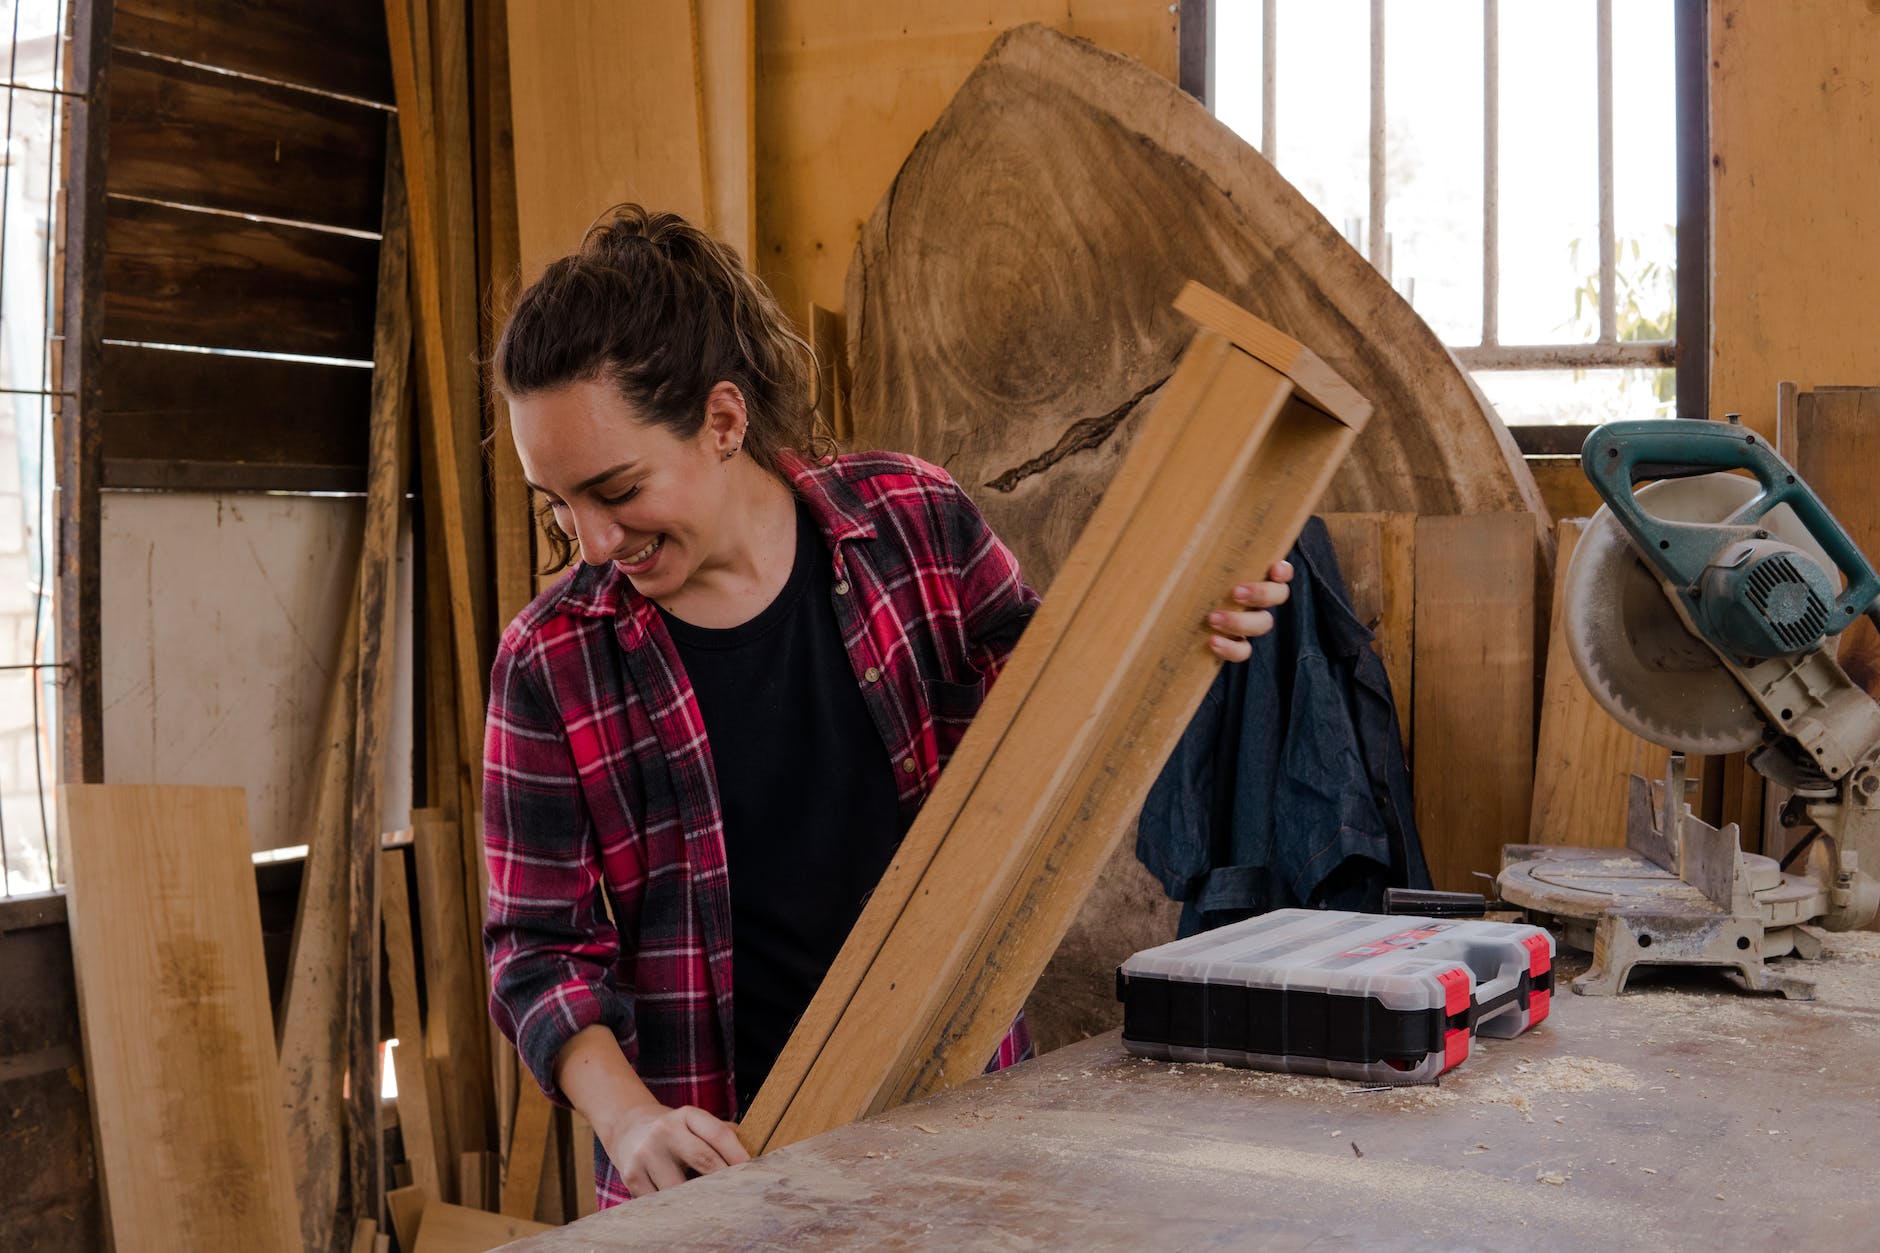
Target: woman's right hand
[[654, 1146]]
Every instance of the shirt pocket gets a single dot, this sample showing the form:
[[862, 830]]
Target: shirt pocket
[[954, 703]]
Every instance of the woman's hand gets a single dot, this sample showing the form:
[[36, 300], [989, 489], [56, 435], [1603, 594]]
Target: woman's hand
[[1232, 628], [656, 1147]]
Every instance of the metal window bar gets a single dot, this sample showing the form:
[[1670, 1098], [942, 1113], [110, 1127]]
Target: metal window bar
[[1608, 351], [40, 551]]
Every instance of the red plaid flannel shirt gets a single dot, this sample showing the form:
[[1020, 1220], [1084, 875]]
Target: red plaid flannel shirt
[[608, 899]]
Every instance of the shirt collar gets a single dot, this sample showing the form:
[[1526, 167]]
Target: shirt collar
[[837, 508]]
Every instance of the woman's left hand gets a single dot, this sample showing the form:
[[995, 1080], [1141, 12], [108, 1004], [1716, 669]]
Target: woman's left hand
[[1232, 628]]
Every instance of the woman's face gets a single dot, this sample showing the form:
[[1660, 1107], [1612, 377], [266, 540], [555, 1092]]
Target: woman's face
[[628, 491]]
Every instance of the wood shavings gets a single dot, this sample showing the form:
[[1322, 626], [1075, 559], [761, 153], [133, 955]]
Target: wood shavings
[[1551, 1176], [921, 1126]]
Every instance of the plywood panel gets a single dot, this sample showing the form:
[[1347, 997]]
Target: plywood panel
[[844, 89], [608, 116], [334, 46], [1837, 446], [1795, 173], [179, 1043], [223, 680], [1584, 759], [173, 276], [1474, 695], [191, 136]]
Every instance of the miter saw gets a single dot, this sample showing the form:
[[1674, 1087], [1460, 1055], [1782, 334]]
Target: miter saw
[[1702, 610]]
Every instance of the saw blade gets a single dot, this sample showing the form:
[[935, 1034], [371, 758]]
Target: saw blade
[[1634, 652]]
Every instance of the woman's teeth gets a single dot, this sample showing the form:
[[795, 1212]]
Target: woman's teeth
[[646, 553]]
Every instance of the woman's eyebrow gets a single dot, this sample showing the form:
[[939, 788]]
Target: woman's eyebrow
[[592, 481]]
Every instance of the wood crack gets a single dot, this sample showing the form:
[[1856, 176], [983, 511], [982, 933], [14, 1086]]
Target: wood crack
[[1081, 436]]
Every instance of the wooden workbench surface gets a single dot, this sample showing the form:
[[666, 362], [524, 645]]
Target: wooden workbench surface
[[1681, 1113]]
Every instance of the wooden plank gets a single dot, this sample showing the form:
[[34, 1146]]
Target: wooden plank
[[1837, 442], [80, 355], [459, 1229], [365, 1238], [1584, 757], [586, 1199], [455, 1039], [1564, 487], [1377, 555], [378, 625], [528, 1147], [512, 522], [407, 1208], [312, 1021], [1473, 773], [192, 419], [191, 136], [727, 108], [1055, 766], [846, 87], [829, 338], [419, 1121], [335, 46], [173, 276], [173, 996], [473, 1179], [460, 294], [609, 117]]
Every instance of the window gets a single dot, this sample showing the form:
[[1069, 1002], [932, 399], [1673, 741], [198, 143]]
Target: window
[[1512, 169]]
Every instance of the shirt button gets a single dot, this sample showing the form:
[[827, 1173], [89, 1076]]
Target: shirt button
[[907, 765], [842, 587], [871, 674]]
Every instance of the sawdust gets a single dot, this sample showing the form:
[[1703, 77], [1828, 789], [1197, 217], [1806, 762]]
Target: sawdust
[[1314, 1087]]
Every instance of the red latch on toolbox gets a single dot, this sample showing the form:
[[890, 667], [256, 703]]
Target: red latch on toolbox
[[1456, 990]]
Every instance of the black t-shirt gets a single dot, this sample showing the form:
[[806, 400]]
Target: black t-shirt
[[807, 790]]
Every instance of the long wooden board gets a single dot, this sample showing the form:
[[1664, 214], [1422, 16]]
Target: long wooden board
[[458, 1229], [1058, 759], [1473, 769], [173, 999], [1584, 758], [335, 46]]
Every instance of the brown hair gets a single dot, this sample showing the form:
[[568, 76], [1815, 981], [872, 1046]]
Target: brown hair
[[666, 313]]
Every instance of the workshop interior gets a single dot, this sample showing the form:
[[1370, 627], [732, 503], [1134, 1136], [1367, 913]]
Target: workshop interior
[[1504, 869]]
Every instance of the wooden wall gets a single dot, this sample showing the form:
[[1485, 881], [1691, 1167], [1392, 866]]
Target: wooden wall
[[1795, 176]]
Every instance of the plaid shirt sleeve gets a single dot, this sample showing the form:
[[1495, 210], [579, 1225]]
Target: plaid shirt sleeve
[[550, 942], [996, 601]]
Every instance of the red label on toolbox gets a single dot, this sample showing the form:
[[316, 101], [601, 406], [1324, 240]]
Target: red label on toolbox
[[1540, 960], [1455, 1049], [1403, 939]]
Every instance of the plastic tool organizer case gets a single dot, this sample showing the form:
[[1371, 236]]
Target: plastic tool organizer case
[[1379, 998]]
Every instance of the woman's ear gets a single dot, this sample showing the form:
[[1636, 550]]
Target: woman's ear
[[725, 418]]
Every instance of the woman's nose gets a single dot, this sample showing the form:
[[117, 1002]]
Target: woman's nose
[[597, 535]]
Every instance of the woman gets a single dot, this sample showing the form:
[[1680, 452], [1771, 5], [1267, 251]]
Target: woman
[[706, 742]]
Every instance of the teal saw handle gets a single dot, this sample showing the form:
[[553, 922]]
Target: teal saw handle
[[1620, 455]]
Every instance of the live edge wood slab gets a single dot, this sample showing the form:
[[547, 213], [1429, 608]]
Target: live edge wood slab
[[1681, 1115], [1243, 441]]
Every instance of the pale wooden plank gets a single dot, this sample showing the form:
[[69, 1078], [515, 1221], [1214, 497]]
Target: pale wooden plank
[[407, 1207], [528, 1147], [456, 1042], [1584, 757], [1377, 556], [727, 90], [313, 1027], [1474, 694], [419, 1119], [458, 1229], [608, 117], [173, 1001], [586, 1200], [365, 1237]]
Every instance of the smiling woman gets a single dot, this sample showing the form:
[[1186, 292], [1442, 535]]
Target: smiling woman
[[706, 741]]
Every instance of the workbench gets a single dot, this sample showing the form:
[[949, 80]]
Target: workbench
[[1681, 1114]]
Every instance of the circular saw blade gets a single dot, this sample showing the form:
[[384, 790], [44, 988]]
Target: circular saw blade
[[1634, 652]]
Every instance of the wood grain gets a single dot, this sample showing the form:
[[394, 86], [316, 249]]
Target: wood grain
[[1022, 352], [1377, 557], [609, 117], [173, 996], [1837, 444], [191, 136], [528, 1148], [1473, 773], [845, 89], [335, 46], [1584, 758], [454, 1036], [173, 276], [407, 1209], [727, 107], [420, 1122]]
